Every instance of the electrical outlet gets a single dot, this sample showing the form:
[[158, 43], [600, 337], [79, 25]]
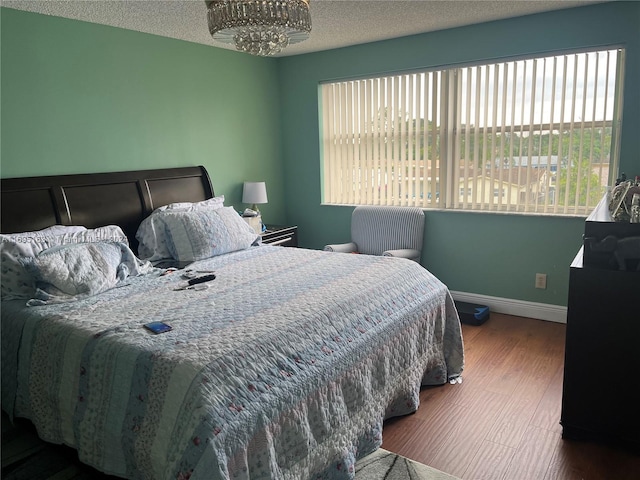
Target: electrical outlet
[[541, 280]]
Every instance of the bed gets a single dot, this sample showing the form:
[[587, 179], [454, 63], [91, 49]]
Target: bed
[[284, 367]]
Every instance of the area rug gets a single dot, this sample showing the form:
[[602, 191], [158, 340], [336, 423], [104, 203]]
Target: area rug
[[26, 457], [383, 465]]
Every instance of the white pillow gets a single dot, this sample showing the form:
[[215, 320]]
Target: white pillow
[[44, 234], [108, 233], [198, 234], [150, 235], [215, 202], [15, 282], [78, 270]]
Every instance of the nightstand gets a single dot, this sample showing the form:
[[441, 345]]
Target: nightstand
[[284, 236]]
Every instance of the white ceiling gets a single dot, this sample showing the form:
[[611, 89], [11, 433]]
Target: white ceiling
[[335, 23]]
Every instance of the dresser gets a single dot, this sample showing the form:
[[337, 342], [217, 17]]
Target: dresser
[[601, 399]]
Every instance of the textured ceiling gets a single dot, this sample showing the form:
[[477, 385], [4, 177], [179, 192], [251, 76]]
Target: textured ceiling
[[335, 23]]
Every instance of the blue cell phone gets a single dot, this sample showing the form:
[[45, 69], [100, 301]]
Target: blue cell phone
[[158, 327]]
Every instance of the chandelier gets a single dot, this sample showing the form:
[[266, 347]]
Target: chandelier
[[259, 27]]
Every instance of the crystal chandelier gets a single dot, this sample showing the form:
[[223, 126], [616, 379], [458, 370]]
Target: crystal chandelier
[[259, 27]]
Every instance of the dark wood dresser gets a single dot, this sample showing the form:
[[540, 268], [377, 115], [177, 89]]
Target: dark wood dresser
[[601, 399]]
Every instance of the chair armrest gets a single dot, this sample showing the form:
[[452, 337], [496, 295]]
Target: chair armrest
[[341, 247], [409, 253]]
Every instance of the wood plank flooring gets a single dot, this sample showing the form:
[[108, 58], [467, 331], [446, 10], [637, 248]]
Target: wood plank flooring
[[502, 422]]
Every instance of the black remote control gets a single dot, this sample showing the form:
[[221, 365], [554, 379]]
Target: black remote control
[[204, 278]]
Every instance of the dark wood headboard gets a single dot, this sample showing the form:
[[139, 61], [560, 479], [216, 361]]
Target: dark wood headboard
[[98, 199]]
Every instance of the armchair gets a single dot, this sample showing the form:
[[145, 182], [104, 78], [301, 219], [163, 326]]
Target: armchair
[[387, 231]]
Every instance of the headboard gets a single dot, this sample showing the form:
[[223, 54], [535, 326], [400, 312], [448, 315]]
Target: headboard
[[97, 199]]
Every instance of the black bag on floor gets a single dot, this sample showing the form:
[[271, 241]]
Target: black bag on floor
[[472, 313]]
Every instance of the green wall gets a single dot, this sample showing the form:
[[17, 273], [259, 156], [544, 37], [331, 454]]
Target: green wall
[[489, 254], [79, 97]]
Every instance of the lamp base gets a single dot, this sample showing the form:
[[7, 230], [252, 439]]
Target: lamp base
[[255, 222]]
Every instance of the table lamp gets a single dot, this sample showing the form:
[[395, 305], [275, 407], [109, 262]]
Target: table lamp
[[254, 193]]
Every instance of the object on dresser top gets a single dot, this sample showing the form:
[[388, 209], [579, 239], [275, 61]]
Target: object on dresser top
[[621, 200], [635, 208]]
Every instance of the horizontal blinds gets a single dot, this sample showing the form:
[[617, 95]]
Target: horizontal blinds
[[530, 136]]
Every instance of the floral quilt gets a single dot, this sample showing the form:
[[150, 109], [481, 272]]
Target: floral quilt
[[284, 367]]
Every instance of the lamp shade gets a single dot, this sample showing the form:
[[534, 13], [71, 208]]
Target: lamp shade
[[254, 192]]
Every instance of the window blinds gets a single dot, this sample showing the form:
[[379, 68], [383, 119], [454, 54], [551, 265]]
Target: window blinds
[[535, 136]]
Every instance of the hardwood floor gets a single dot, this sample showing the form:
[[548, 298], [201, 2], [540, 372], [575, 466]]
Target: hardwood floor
[[502, 422]]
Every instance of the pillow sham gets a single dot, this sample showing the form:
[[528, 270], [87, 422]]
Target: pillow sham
[[215, 202], [198, 234], [108, 233], [78, 270], [15, 282], [43, 235], [150, 235]]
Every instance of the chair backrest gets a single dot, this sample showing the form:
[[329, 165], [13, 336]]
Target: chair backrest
[[375, 229]]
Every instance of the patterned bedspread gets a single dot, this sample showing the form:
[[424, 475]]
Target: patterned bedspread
[[284, 368]]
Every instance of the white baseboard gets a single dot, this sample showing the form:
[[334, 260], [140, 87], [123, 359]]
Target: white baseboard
[[521, 308]]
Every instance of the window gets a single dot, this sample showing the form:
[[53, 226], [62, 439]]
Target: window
[[535, 135]]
